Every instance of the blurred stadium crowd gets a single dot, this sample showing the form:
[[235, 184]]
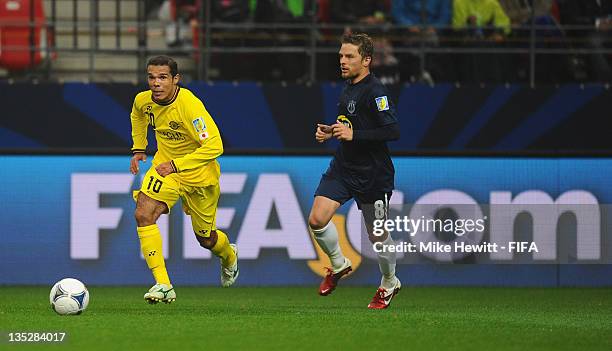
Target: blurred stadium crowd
[[471, 41], [567, 25]]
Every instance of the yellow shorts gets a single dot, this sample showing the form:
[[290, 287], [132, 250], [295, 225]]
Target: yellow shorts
[[198, 202]]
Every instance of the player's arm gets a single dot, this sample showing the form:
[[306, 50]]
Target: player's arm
[[383, 112], [211, 147], [139, 138], [384, 115], [388, 132]]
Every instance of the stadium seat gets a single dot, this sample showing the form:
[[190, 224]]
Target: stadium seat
[[323, 11], [23, 45]]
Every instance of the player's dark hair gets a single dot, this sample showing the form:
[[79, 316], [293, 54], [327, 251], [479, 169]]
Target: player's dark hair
[[163, 60], [364, 44]]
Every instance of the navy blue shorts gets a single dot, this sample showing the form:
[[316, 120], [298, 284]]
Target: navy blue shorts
[[334, 189]]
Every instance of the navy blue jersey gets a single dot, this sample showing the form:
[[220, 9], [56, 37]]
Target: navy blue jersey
[[364, 166]]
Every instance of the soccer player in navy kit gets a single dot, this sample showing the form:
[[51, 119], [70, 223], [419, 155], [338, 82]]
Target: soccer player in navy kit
[[361, 168]]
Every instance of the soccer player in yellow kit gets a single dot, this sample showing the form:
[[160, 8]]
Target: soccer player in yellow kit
[[185, 166]]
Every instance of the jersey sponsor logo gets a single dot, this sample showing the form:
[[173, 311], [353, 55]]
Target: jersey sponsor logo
[[347, 122], [351, 106], [200, 127], [174, 125], [382, 103], [171, 135]]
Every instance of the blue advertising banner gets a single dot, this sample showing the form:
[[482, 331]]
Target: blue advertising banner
[[66, 216], [440, 117]]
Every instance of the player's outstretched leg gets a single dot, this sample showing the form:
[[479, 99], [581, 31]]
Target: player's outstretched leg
[[329, 283], [327, 238], [230, 274], [326, 235], [218, 243], [228, 255], [389, 283], [160, 293], [382, 298], [151, 247]]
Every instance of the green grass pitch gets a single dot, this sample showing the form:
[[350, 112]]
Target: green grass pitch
[[296, 318]]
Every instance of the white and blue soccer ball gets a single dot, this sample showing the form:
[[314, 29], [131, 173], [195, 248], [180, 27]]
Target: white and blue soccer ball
[[69, 296]]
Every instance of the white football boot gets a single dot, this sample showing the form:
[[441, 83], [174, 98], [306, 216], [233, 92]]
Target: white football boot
[[160, 293]]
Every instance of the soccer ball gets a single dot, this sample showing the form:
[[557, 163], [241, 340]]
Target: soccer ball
[[69, 296]]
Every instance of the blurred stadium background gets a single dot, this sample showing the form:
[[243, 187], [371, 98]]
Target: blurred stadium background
[[518, 104]]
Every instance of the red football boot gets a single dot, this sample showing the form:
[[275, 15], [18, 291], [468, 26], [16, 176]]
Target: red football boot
[[330, 281], [382, 298]]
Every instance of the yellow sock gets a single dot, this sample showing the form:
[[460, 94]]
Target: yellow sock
[[223, 250], [151, 246]]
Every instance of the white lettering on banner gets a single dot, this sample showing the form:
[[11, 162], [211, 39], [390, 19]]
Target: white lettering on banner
[[545, 217], [86, 216], [274, 190], [230, 183]]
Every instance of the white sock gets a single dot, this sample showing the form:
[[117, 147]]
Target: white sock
[[327, 238], [386, 263]]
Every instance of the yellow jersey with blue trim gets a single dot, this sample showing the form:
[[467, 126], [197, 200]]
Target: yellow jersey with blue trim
[[185, 132]]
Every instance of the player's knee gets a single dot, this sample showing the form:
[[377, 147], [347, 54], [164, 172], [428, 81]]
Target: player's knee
[[317, 221], [207, 242], [144, 218]]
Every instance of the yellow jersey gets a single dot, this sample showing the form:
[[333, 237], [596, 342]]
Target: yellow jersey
[[185, 132]]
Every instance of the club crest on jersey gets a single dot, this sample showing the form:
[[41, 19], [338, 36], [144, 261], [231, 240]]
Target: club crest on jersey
[[200, 127], [351, 106], [382, 103]]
